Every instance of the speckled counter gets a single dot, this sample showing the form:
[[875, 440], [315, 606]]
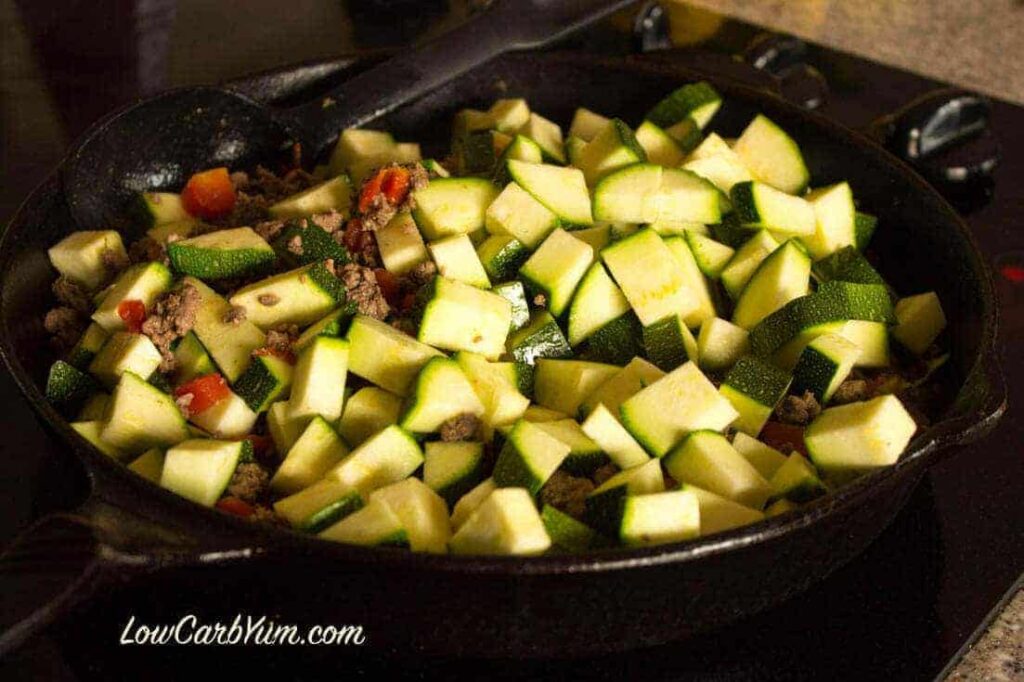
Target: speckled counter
[[999, 654]]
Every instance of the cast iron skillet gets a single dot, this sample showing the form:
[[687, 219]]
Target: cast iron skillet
[[476, 606]]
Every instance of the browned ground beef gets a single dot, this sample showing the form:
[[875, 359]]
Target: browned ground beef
[[799, 410], [249, 482], [65, 326], [567, 493], [604, 472], [462, 427], [172, 316], [363, 290], [235, 315], [269, 229], [281, 337], [420, 275], [268, 300], [329, 222], [114, 261], [147, 250], [851, 391], [72, 295], [381, 210]]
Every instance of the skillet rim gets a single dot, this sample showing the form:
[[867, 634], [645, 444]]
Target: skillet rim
[[104, 473]]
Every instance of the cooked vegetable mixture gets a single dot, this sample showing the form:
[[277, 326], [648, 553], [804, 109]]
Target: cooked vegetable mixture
[[620, 337]]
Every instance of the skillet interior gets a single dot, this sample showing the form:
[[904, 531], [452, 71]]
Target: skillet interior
[[921, 243]]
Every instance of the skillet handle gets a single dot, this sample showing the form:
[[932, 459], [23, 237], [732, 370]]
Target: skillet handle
[[982, 402]]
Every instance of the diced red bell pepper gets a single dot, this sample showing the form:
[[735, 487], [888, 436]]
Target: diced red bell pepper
[[207, 390], [389, 286], [393, 182], [209, 194], [233, 505], [777, 435], [133, 312]]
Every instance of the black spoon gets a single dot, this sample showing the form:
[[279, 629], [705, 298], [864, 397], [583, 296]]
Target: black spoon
[[160, 141]]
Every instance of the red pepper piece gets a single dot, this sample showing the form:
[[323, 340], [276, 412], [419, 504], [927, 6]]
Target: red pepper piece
[[206, 390], [233, 505], [209, 194], [133, 312]]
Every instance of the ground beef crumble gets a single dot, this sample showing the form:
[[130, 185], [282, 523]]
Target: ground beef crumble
[[420, 275], [281, 338], [114, 261], [604, 472], [72, 295], [567, 493], [362, 289], [235, 315], [381, 210], [65, 326], [268, 299], [851, 391], [249, 482], [269, 229], [329, 222], [799, 410], [147, 250], [172, 316], [461, 427]]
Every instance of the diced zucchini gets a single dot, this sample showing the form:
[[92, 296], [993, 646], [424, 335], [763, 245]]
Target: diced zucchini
[[401, 244], [555, 269], [626, 383], [506, 522], [835, 221], [237, 252], [80, 256], [333, 324], [374, 525], [227, 418], [659, 147], [320, 505], [659, 518], [200, 470], [597, 236], [847, 265], [94, 408], [574, 147], [748, 257], [650, 276], [849, 440], [718, 514], [67, 385], [781, 277], [149, 465], [586, 124], [528, 458], [562, 190], [669, 343], [301, 296], [91, 430], [864, 225], [457, 260], [497, 388], [385, 356], [509, 115], [319, 379], [541, 338], [453, 469], [614, 147], [564, 384], [772, 156], [304, 242], [317, 451], [617, 342], [448, 206], [684, 400], [366, 412], [764, 458], [707, 460], [797, 480], [698, 101], [597, 302], [441, 392], [515, 294], [695, 282], [519, 149], [502, 255], [646, 193], [604, 505], [468, 503], [919, 321], [823, 365], [140, 417], [566, 532], [421, 512], [143, 282], [585, 456], [779, 507], [716, 161], [605, 430], [759, 205], [547, 135], [180, 229], [711, 256], [754, 387], [191, 359], [355, 145], [720, 344], [386, 457], [284, 429], [160, 208], [229, 344], [517, 213], [85, 350], [331, 195], [266, 379], [458, 316]]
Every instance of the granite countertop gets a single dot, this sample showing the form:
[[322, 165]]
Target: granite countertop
[[999, 653], [975, 45]]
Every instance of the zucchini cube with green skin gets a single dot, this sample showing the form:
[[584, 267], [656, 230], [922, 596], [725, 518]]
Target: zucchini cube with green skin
[[191, 359], [385, 356], [509, 115], [586, 124], [453, 469], [606, 504], [179, 229], [720, 344], [67, 385], [141, 416], [366, 412], [457, 316], [200, 470], [303, 242], [781, 277], [160, 208], [230, 345], [847, 265], [458, 261], [714, 160], [333, 324], [761, 206], [650, 276], [401, 244], [694, 280], [754, 387], [422, 512], [556, 268], [566, 532], [317, 451], [835, 220], [864, 225], [284, 429], [698, 101], [496, 385], [920, 320], [547, 135], [614, 147], [707, 460], [669, 343], [585, 456], [606, 431], [772, 156], [85, 350], [502, 255], [265, 380], [745, 262], [766, 459], [528, 458], [143, 282], [779, 507], [626, 383], [597, 302], [334, 194], [685, 197], [80, 257], [374, 525], [823, 365], [505, 523], [711, 256], [515, 294], [846, 441], [149, 465], [665, 411], [563, 385], [521, 148], [598, 236], [238, 252], [797, 480], [448, 206], [616, 342], [386, 457], [659, 147], [647, 193], [541, 338], [469, 502], [229, 417], [91, 431], [301, 296], [659, 518], [562, 190], [441, 392], [515, 212], [124, 352], [718, 514], [318, 387], [94, 408], [320, 505]]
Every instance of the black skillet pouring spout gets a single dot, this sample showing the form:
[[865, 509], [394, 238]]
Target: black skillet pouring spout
[[177, 133]]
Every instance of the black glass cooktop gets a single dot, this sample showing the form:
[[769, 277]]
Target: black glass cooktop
[[902, 610]]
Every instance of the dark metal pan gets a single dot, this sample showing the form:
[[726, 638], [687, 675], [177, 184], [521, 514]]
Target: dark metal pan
[[547, 606]]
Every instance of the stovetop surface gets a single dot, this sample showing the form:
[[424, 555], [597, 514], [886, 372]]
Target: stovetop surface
[[901, 610]]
